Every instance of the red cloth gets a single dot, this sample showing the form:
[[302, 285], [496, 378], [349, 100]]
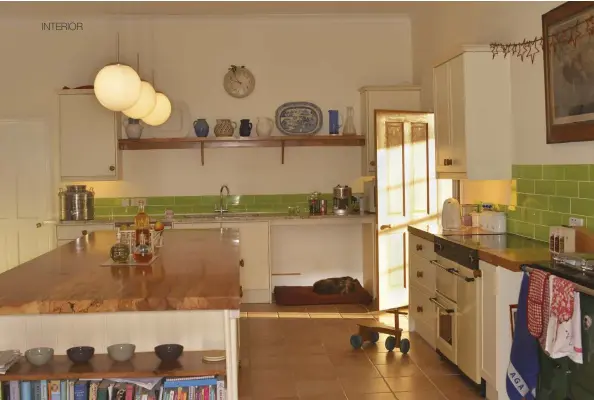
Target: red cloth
[[562, 303], [536, 294], [546, 314]]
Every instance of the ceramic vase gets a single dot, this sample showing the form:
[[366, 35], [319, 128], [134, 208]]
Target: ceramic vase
[[245, 127], [201, 127], [224, 128], [133, 128], [264, 126]]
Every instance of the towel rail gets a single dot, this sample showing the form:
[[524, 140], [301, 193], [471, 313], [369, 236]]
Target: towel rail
[[579, 288]]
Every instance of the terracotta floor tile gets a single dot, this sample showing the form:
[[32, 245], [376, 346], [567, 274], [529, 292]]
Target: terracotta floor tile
[[311, 372], [392, 357], [351, 308], [409, 383], [322, 309], [357, 371], [421, 395], [319, 387], [334, 396], [274, 389], [455, 387], [353, 386], [398, 370], [325, 315], [373, 396]]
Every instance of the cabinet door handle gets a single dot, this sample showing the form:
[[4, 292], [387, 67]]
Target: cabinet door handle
[[112, 168], [372, 163], [384, 227], [84, 232], [419, 274], [419, 247], [39, 224], [241, 263], [419, 309], [241, 291]]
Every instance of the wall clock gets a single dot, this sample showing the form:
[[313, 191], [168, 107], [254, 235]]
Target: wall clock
[[239, 82]]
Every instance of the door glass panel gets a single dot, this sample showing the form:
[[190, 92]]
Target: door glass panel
[[446, 327]]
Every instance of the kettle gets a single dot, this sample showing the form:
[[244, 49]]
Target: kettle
[[451, 216]]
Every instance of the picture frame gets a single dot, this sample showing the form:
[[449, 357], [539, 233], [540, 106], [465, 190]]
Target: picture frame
[[568, 40], [513, 312]]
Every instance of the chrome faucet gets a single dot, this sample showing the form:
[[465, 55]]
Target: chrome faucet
[[221, 208]]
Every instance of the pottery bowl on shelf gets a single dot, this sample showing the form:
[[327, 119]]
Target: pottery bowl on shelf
[[121, 352], [39, 355], [169, 352], [80, 354]]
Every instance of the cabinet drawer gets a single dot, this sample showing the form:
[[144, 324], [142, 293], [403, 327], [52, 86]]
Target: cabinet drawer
[[421, 308], [427, 332], [422, 272], [421, 247], [72, 232]]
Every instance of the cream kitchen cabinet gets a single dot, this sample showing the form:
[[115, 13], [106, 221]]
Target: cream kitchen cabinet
[[397, 98], [423, 315], [473, 126], [68, 233], [88, 138]]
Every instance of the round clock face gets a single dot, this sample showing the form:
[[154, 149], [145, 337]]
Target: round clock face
[[239, 82]]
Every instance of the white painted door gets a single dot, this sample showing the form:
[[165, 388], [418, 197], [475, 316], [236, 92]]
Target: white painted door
[[88, 139], [26, 228], [441, 98]]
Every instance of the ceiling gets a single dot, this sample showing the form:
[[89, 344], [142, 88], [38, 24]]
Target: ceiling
[[63, 8]]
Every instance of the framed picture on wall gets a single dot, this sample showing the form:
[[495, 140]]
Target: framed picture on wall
[[568, 50], [513, 311]]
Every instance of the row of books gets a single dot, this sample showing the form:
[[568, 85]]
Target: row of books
[[193, 388]]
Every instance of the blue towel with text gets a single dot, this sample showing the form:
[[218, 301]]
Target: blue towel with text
[[522, 372]]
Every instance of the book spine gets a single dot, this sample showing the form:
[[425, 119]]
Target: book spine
[[26, 390], [44, 390], [14, 390], [129, 392], [71, 390], [63, 390], [81, 391], [54, 390], [6, 390], [93, 388]]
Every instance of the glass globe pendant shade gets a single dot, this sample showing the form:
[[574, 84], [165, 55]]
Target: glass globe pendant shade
[[161, 113], [117, 87], [145, 104]]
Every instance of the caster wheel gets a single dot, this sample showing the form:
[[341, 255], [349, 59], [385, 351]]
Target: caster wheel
[[374, 337], [404, 346], [390, 343], [356, 341]]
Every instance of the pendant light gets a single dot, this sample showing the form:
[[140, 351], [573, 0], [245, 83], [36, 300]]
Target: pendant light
[[117, 86], [161, 112], [147, 101]]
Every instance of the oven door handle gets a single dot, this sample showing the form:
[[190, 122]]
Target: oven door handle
[[452, 271], [438, 304]]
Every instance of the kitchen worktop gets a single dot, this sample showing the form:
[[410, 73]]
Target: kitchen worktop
[[503, 250], [195, 270], [583, 278]]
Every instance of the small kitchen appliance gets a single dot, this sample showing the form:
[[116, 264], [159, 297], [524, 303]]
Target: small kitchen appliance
[[77, 203], [342, 198], [451, 217]]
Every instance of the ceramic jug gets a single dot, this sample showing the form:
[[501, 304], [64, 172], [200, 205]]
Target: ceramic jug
[[245, 127], [201, 127], [264, 126], [133, 128], [224, 127], [335, 122]]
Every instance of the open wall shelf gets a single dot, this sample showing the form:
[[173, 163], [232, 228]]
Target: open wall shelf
[[234, 142]]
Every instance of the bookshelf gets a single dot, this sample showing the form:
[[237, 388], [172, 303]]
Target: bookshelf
[[142, 365]]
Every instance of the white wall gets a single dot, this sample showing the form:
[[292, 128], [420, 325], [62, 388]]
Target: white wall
[[438, 35], [319, 59]]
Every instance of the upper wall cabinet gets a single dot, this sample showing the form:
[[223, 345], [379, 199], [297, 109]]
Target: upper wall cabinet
[[394, 98], [88, 138], [472, 105]]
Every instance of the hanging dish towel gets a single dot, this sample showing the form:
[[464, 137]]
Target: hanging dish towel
[[522, 372], [536, 291], [546, 313], [564, 338]]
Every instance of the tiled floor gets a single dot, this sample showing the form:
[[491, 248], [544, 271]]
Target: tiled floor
[[304, 353]]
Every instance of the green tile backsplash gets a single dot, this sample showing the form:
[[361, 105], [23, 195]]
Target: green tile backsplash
[[204, 204], [548, 195]]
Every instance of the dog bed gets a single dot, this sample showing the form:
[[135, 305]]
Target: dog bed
[[305, 296]]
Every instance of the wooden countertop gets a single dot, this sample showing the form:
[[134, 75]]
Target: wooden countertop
[[195, 270]]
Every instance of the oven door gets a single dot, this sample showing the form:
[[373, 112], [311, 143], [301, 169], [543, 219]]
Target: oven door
[[446, 283], [446, 327]]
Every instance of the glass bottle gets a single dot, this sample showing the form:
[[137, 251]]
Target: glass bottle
[[119, 252], [349, 125], [143, 252], [142, 223]]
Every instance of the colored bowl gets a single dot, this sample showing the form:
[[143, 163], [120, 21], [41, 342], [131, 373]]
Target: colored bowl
[[39, 355], [169, 352], [80, 354], [121, 352]]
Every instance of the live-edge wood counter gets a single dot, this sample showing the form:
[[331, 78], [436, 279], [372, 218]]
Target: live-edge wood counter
[[195, 270]]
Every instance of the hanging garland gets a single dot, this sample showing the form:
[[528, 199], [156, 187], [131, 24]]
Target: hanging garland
[[530, 48]]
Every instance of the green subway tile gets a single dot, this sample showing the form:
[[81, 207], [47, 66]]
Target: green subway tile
[[294, 198], [515, 214], [541, 233], [549, 218], [208, 201], [248, 199], [582, 207], [554, 172], [160, 201], [536, 201], [525, 186], [125, 211], [590, 223], [268, 199], [586, 190], [233, 199], [515, 171], [544, 187], [566, 188], [559, 204], [155, 210], [180, 210], [530, 171], [530, 215], [577, 172], [199, 209], [591, 172], [187, 200], [108, 202], [522, 228], [103, 211]]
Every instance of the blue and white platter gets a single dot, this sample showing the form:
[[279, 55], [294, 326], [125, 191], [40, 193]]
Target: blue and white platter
[[299, 118]]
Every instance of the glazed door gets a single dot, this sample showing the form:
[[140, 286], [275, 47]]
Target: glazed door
[[407, 194]]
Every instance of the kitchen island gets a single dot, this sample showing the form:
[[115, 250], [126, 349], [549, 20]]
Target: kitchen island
[[189, 295]]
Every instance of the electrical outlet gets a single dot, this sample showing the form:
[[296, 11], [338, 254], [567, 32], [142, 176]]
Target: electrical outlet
[[125, 202], [134, 202], [574, 221]]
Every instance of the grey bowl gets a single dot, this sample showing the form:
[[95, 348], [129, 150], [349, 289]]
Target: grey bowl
[[169, 352], [81, 354], [39, 355], [121, 352]]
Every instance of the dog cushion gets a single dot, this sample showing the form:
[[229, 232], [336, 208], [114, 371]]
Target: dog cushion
[[305, 296]]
